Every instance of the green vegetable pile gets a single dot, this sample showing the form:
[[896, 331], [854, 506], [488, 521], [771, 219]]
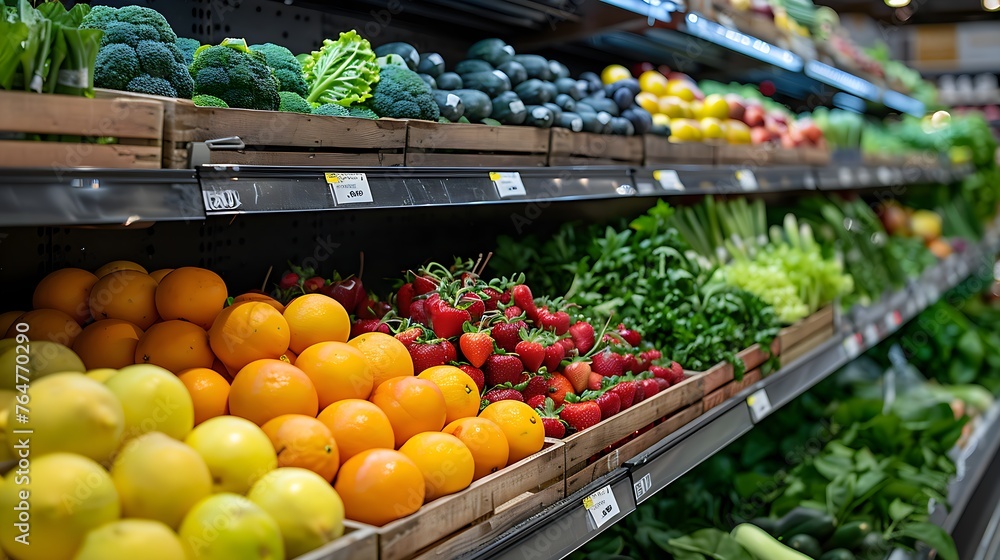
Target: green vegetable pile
[[235, 74], [342, 72]]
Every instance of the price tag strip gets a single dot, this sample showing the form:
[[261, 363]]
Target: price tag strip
[[508, 184], [871, 334], [852, 345], [349, 188], [892, 321], [668, 179], [760, 405], [601, 506], [747, 180]]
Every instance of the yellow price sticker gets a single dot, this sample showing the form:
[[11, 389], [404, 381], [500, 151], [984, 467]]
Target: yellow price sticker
[[494, 176], [588, 502], [332, 178]]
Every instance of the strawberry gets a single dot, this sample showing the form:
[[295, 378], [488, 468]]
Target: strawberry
[[583, 335], [581, 415], [609, 402], [568, 345], [607, 363], [424, 284], [521, 295], [649, 387], [476, 374], [633, 338], [367, 326], [418, 312], [537, 402], [409, 336], [595, 381], [404, 297], [677, 370], [554, 354], [660, 372], [630, 363], [650, 355], [506, 392], [512, 312], [640, 392], [557, 322], [662, 383], [532, 354], [476, 347], [426, 356], [313, 284], [625, 391], [502, 368], [559, 387], [555, 427], [372, 308], [473, 304], [536, 385], [492, 298], [450, 355], [446, 320], [507, 335], [288, 280], [578, 374]]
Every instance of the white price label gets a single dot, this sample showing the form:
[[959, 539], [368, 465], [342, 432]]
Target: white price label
[[893, 320], [844, 176], [643, 485], [349, 188], [601, 505], [871, 334], [760, 405], [864, 177], [508, 183], [852, 344], [668, 179], [747, 180]]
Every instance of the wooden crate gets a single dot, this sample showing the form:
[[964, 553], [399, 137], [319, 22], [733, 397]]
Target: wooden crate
[[445, 518], [723, 373], [358, 543], [584, 148], [582, 446], [806, 334], [658, 150], [632, 446], [137, 125], [430, 144], [729, 390], [745, 155], [786, 156], [815, 156], [275, 138]]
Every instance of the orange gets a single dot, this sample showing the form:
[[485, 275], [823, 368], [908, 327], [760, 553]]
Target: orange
[[379, 486], [485, 440], [221, 369], [8, 319], [68, 290], [386, 356], [357, 425], [304, 442], [175, 346], [115, 266], [47, 324], [108, 343], [266, 389], [446, 463], [262, 298], [209, 391], [461, 395], [522, 426], [196, 295], [412, 405], [246, 332], [316, 318], [337, 370], [289, 357], [127, 295], [159, 274]]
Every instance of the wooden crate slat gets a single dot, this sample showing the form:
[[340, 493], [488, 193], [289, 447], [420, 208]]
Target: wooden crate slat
[[659, 150], [70, 115], [818, 321], [454, 136], [439, 159], [359, 542], [567, 145], [729, 390], [728, 154], [17, 153], [267, 157], [274, 128], [802, 347]]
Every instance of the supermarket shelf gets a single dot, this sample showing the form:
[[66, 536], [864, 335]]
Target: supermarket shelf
[[563, 528], [79, 196]]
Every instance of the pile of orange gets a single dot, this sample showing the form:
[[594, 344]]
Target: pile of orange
[[351, 411]]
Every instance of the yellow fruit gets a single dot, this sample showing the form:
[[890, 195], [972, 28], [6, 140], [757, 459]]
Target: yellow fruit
[[485, 440], [674, 107], [308, 510], [461, 395], [681, 88], [160, 478], [6, 403], [154, 401], [71, 413], [521, 424], [614, 73], [129, 539], [69, 495], [923, 223], [115, 266], [445, 462], [660, 119], [386, 356], [236, 451], [685, 130], [315, 318], [737, 132], [101, 374], [338, 370], [696, 110], [715, 106], [653, 82], [230, 527], [712, 129], [648, 101], [43, 358]]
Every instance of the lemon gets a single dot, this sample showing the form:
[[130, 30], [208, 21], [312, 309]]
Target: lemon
[[653, 82], [154, 401], [230, 527], [129, 539], [308, 510], [614, 73], [236, 451]]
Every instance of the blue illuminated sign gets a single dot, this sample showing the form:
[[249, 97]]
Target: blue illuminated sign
[[742, 43]]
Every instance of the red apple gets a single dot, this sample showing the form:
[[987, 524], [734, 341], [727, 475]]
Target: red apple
[[759, 135], [753, 116], [786, 141], [797, 137], [736, 106], [812, 132]]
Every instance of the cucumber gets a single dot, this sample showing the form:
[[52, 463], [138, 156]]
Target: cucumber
[[449, 80], [550, 90], [850, 535], [806, 521], [539, 116], [596, 122], [584, 109], [599, 104], [536, 66], [471, 66], [874, 545], [478, 105], [431, 64], [558, 70], [565, 102], [509, 109], [640, 119], [515, 72], [805, 544], [622, 127], [570, 87], [838, 554], [623, 98], [660, 130], [451, 105], [494, 51], [766, 523], [593, 82], [429, 80], [407, 51], [571, 121], [533, 92], [491, 83], [556, 110], [763, 546]]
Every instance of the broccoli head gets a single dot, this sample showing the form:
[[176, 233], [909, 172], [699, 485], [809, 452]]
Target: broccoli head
[[293, 103], [236, 75], [209, 101], [187, 47], [138, 52], [287, 69], [361, 112], [400, 93], [331, 110]]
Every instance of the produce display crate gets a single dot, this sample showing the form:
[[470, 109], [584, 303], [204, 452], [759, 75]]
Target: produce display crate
[[798, 339], [750, 156], [815, 156], [583, 447], [585, 148], [729, 390], [358, 543], [760, 27], [719, 382], [657, 150], [787, 156], [430, 144], [493, 501], [273, 138], [137, 126]]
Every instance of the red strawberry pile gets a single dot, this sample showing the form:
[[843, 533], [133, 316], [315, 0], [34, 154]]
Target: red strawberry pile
[[519, 347]]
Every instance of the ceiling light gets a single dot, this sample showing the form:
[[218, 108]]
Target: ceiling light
[[898, 3], [991, 5]]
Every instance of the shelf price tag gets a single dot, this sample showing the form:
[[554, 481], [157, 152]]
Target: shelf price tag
[[643, 485], [508, 183], [852, 345], [668, 179], [747, 180], [601, 505], [892, 321], [760, 405], [349, 188], [871, 334]]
